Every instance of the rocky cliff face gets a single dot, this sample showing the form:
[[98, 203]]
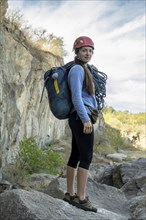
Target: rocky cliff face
[[21, 82], [22, 69], [3, 9]]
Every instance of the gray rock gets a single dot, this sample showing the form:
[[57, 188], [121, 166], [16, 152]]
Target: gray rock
[[131, 169], [0, 174], [24, 205], [137, 205], [135, 186], [108, 197], [101, 195], [111, 202], [105, 174], [3, 9], [117, 156], [21, 113], [5, 185]]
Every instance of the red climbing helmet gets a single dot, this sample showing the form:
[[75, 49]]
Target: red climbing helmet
[[83, 41]]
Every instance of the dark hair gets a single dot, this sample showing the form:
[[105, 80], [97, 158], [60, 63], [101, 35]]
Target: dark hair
[[88, 81]]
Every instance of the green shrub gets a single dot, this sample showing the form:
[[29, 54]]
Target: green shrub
[[103, 149], [116, 140], [112, 142], [33, 159]]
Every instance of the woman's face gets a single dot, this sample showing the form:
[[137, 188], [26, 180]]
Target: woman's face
[[85, 54]]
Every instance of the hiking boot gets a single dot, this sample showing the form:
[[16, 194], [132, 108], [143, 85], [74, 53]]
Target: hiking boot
[[68, 198], [83, 204]]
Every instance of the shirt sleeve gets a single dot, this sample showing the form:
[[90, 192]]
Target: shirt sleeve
[[75, 79]]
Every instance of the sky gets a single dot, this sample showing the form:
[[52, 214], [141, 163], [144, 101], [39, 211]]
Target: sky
[[117, 28]]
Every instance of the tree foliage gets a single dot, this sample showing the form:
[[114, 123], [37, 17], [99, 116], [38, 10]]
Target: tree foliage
[[124, 116], [39, 37]]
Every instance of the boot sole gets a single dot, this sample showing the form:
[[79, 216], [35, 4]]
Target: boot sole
[[82, 207]]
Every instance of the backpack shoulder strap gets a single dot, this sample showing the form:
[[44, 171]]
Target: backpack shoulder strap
[[69, 65]]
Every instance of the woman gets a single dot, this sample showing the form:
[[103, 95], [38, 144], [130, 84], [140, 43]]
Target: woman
[[83, 95]]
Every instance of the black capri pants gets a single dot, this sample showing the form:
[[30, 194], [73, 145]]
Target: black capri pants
[[82, 144]]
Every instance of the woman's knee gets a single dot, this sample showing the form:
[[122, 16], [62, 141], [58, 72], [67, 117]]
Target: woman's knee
[[85, 163], [73, 163]]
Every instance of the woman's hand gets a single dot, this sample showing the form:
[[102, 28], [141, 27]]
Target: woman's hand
[[88, 127]]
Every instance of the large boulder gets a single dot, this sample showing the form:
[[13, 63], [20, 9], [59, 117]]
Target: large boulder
[[101, 195], [127, 203], [130, 178], [24, 205]]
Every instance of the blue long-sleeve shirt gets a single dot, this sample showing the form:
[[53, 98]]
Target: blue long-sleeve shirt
[[79, 94]]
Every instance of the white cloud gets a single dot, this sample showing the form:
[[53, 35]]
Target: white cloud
[[118, 32], [130, 26]]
